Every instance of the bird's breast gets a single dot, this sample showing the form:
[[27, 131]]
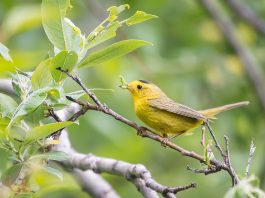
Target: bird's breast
[[163, 121]]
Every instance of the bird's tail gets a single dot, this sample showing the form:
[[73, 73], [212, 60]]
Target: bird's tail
[[210, 113]]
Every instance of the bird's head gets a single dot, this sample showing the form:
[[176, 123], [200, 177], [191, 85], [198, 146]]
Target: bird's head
[[142, 89]]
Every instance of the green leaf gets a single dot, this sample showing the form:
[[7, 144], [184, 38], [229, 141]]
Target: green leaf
[[139, 17], [7, 105], [11, 175], [20, 18], [54, 172], [104, 35], [43, 131], [75, 40], [113, 51], [114, 10], [4, 52], [65, 60], [30, 104], [56, 155], [53, 13], [42, 77]]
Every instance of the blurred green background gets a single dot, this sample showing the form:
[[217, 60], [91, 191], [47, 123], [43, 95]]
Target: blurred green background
[[190, 60]]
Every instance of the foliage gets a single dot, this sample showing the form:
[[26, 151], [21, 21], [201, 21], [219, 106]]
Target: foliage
[[190, 60], [42, 91]]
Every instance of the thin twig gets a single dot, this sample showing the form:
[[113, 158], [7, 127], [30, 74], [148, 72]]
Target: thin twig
[[217, 145], [235, 178], [250, 156], [205, 171]]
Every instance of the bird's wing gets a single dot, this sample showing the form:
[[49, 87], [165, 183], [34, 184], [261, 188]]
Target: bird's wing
[[169, 105]]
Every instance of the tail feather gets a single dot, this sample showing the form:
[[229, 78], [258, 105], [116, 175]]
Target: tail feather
[[210, 113]]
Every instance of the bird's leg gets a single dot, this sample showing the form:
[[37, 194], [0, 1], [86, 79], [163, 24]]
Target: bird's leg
[[141, 130], [165, 140], [203, 136]]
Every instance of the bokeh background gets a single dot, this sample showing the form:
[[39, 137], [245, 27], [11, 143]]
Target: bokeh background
[[190, 60]]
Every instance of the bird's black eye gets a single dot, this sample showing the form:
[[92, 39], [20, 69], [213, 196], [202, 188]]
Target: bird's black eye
[[139, 86]]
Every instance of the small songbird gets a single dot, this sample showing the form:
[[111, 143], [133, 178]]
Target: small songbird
[[167, 117]]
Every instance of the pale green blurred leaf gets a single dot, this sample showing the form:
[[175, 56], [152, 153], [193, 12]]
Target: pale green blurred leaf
[[43, 131], [7, 105], [21, 18], [139, 17], [115, 10], [113, 51], [247, 187], [106, 34], [55, 155], [4, 52], [54, 172], [11, 174], [65, 60], [42, 77], [53, 13]]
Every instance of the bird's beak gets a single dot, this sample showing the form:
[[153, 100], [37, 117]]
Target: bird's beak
[[124, 86]]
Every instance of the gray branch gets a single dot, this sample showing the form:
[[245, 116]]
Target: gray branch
[[252, 68], [94, 184], [248, 15]]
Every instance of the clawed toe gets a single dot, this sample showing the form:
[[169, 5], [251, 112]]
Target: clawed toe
[[164, 142], [141, 131]]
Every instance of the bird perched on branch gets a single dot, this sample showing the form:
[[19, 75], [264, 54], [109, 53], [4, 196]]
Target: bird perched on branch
[[166, 116]]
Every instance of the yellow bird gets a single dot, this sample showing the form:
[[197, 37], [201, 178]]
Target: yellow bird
[[166, 116]]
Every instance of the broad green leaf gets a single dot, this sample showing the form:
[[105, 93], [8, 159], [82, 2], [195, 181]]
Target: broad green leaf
[[115, 10], [75, 40], [31, 103], [11, 175], [65, 60], [55, 155], [4, 52], [104, 35], [113, 51], [43, 131], [139, 17], [54, 172], [42, 77], [20, 18], [7, 105], [53, 13]]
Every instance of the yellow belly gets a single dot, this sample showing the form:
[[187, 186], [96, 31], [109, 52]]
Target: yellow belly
[[165, 122]]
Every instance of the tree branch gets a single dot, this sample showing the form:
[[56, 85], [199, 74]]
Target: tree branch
[[137, 174], [132, 172], [94, 184], [248, 15], [253, 70]]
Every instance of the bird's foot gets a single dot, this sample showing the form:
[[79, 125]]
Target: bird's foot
[[141, 130], [164, 140]]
